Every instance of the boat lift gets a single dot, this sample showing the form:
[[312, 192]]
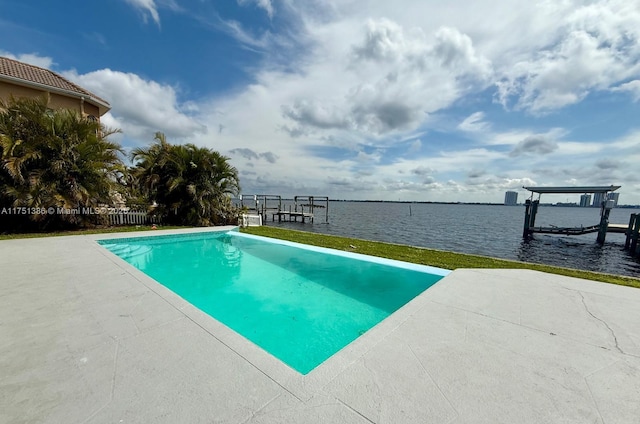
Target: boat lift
[[531, 209]]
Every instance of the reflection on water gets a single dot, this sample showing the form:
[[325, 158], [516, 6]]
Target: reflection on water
[[199, 252], [483, 230], [580, 253]]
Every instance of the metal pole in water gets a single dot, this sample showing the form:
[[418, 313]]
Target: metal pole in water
[[326, 212]]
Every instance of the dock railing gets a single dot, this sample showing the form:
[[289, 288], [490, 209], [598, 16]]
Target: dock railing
[[261, 204]]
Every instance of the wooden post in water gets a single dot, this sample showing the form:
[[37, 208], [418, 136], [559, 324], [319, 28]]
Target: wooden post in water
[[527, 215], [534, 212], [633, 234], [604, 220], [531, 209], [629, 232]]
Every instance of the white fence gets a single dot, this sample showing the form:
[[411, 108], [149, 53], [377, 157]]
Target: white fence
[[131, 218]]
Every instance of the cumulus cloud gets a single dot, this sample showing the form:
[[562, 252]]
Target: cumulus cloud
[[383, 40], [141, 107], [391, 80], [535, 144], [596, 48], [308, 113], [457, 53]]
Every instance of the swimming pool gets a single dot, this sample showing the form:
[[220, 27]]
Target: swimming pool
[[300, 303]]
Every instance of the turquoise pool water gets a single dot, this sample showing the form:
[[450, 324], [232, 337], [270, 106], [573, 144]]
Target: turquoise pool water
[[301, 305]]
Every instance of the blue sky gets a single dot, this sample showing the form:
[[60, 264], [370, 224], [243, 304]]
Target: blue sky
[[407, 100]]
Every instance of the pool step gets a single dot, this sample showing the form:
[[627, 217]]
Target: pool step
[[128, 252]]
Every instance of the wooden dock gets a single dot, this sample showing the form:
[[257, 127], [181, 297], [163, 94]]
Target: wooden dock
[[292, 216], [270, 204]]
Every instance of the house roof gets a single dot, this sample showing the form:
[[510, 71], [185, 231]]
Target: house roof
[[41, 78]]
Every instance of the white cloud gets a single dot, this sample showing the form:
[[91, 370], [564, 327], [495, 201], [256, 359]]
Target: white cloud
[[474, 123], [632, 87], [147, 8], [595, 48], [628, 143], [140, 107], [390, 79]]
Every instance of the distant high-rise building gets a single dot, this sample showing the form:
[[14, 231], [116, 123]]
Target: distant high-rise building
[[615, 197], [511, 198], [597, 199], [585, 200]]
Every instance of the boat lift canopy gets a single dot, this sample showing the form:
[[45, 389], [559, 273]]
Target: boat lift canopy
[[584, 189]]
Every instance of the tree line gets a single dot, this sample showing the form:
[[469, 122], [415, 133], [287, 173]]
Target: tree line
[[58, 160]]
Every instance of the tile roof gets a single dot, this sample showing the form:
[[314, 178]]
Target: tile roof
[[34, 74]]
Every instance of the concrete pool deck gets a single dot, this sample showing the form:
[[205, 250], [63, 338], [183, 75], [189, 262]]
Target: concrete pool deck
[[86, 338]]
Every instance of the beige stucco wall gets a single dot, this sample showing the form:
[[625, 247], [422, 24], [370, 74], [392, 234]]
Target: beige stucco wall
[[56, 101], [90, 109]]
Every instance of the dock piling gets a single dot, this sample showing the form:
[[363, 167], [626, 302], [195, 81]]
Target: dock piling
[[607, 205], [527, 216], [531, 209], [631, 241]]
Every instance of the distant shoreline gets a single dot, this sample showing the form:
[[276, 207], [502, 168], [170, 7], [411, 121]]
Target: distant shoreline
[[564, 205]]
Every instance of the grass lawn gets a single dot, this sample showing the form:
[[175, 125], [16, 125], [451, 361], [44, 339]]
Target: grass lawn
[[437, 258], [418, 255]]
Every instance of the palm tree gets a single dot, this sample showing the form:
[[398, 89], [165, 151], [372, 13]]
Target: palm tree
[[56, 158], [191, 185]]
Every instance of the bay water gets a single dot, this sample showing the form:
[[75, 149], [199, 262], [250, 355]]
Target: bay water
[[489, 230]]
